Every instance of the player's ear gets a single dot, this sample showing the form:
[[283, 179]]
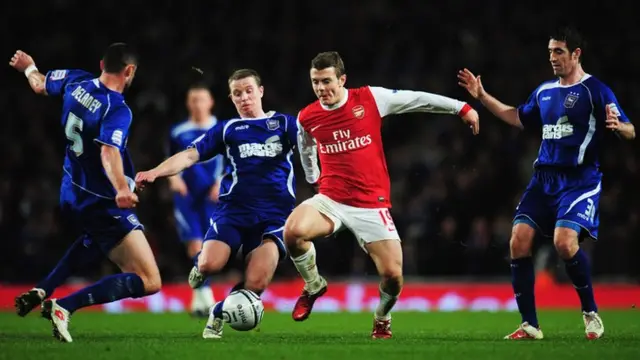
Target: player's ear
[[101, 65], [261, 88], [576, 54], [342, 79]]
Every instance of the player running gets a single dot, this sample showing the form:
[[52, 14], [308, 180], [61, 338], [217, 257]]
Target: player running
[[354, 189], [255, 197], [561, 201], [196, 188], [96, 195]]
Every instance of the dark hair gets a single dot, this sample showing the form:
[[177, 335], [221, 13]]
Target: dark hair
[[570, 36], [118, 56], [245, 73], [329, 59], [198, 86]]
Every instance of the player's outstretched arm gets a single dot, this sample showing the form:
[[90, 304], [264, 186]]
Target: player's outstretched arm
[[391, 102], [473, 84], [22, 62], [112, 163], [172, 166]]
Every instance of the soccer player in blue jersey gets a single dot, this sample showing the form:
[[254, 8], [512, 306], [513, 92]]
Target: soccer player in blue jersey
[[196, 188], [96, 195], [574, 112], [256, 196]]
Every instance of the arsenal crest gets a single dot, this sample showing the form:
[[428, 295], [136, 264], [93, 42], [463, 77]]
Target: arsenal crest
[[571, 99], [273, 124], [358, 111]]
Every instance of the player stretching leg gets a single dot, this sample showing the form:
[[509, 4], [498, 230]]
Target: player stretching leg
[[196, 188], [96, 194], [255, 197], [354, 186], [574, 111]]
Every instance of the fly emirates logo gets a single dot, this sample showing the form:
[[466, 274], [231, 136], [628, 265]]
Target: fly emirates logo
[[344, 142]]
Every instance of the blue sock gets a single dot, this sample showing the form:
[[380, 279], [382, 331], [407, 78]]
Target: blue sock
[[523, 281], [108, 289], [195, 259], [77, 257], [217, 309], [579, 272]]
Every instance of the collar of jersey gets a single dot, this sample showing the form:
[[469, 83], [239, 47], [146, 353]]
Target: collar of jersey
[[338, 105]]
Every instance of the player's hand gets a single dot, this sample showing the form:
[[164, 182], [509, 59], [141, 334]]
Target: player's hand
[[21, 61], [472, 83], [214, 192], [612, 121], [145, 177], [177, 185], [472, 119], [126, 199]]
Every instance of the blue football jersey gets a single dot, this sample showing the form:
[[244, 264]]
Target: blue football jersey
[[572, 119], [200, 177], [258, 151], [92, 115]]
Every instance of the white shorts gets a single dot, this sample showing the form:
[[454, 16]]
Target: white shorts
[[367, 224]]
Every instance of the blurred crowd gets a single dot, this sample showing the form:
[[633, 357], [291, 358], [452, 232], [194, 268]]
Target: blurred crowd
[[454, 194]]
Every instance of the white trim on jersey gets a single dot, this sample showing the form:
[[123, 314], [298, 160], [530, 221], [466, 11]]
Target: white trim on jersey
[[592, 129], [234, 173], [390, 102], [291, 174]]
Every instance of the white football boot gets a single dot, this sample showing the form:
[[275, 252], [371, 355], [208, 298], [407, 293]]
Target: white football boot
[[59, 317], [593, 326], [213, 329]]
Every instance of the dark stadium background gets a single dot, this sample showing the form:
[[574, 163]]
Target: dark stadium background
[[454, 194]]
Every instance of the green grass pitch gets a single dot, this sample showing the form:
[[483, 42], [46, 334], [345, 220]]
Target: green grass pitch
[[336, 336]]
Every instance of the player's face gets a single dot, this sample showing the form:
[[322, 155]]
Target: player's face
[[199, 102], [562, 60], [246, 96], [327, 86]]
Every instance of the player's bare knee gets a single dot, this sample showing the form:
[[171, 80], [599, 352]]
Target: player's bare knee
[[566, 242], [521, 241]]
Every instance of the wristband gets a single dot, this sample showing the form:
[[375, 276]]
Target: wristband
[[465, 109], [31, 68]]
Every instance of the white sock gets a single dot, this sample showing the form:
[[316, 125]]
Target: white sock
[[306, 265], [203, 297], [383, 311]]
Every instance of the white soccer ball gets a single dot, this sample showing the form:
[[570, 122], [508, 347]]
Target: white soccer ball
[[242, 310]]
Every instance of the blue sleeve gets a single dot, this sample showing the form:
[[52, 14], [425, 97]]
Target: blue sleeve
[[292, 130], [114, 128], [529, 112], [210, 143], [56, 81], [606, 97]]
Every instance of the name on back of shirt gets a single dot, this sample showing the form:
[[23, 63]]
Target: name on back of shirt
[[85, 99]]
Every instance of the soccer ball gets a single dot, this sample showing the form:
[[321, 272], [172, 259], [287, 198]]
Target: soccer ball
[[242, 310]]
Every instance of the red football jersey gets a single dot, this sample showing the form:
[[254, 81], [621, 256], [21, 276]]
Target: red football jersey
[[349, 141], [354, 169]]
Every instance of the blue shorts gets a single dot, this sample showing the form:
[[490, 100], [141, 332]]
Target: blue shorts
[[99, 220], [192, 216], [567, 199], [240, 232]]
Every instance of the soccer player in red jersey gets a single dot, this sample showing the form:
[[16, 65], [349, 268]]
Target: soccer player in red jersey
[[343, 126]]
